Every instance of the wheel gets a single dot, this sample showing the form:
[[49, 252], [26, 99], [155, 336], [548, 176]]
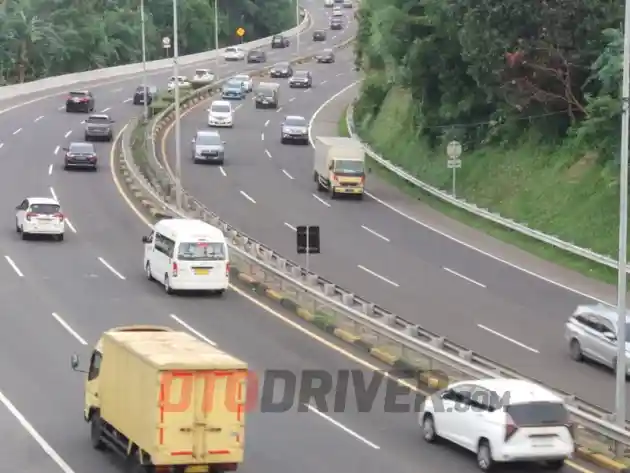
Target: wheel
[[429, 433], [17, 227], [283, 141], [575, 350], [554, 465], [59, 237], [65, 167], [68, 109], [96, 432], [148, 272], [222, 162], [110, 137], [24, 234], [86, 137], [95, 168], [220, 292], [484, 456], [167, 285]]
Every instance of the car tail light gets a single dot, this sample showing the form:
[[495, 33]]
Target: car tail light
[[510, 428], [60, 216], [85, 99], [29, 215], [227, 269], [175, 270]]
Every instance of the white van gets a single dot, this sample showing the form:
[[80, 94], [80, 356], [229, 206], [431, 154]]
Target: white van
[[187, 255], [220, 113]]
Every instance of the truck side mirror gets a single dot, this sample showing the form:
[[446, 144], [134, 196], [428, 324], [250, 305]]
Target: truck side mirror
[[74, 362]]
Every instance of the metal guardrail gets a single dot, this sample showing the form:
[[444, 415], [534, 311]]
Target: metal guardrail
[[480, 212], [66, 80], [421, 348]]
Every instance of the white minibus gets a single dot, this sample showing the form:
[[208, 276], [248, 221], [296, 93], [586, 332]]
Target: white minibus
[[187, 255]]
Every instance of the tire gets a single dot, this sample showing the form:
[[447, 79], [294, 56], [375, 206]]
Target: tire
[[147, 270], [86, 137], [220, 292], [17, 227], [575, 350], [554, 465], [65, 167], [484, 456], [283, 141], [68, 110], [96, 432], [110, 137], [167, 285], [59, 237], [25, 236], [429, 433], [95, 168]]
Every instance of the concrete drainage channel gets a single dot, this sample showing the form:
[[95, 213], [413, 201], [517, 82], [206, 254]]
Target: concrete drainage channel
[[148, 184]]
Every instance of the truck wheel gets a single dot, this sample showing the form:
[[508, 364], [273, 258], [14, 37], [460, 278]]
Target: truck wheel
[[96, 432]]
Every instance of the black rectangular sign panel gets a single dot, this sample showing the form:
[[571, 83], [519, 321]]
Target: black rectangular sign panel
[[308, 239]]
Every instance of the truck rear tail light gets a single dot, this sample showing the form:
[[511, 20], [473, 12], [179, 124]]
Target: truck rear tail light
[[175, 270]]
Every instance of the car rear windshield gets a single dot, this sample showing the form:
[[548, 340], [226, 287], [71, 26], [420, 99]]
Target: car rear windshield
[[81, 148], [220, 108], [230, 50], [78, 94], [295, 122], [201, 251], [201, 72], [538, 413], [47, 209], [98, 120], [208, 140], [282, 65], [300, 74]]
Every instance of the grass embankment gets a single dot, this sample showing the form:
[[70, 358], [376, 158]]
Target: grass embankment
[[553, 190]]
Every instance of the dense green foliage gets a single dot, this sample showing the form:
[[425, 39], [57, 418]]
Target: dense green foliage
[[40, 38], [486, 71]]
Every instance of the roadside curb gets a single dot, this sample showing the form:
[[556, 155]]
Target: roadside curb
[[601, 460]]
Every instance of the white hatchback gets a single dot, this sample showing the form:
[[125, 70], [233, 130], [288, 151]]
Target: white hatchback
[[220, 113], [246, 80], [233, 53], [501, 420], [40, 216]]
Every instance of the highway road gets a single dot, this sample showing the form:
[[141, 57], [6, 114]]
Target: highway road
[[59, 297], [380, 252]]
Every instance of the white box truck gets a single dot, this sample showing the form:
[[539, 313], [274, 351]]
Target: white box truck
[[165, 401], [339, 166]]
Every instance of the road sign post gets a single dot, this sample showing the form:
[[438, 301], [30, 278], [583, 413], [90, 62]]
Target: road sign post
[[454, 151], [166, 44], [308, 241], [240, 32]]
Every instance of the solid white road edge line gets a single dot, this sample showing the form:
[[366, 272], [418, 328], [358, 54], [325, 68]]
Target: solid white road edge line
[[342, 427], [376, 234], [69, 329], [14, 266], [33, 433], [444, 234], [111, 268], [506, 338], [192, 330], [290, 226], [321, 200], [465, 278], [247, 197], [376, 275]]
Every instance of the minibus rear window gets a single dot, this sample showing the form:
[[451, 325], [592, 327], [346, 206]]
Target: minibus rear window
[[201, 251]]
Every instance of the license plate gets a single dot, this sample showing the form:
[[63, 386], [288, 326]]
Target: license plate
[[196, 469], [44, 219], [202, 271]]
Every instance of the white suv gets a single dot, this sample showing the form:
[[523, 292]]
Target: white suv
[[501, 420], [220, 114], [39, 216]]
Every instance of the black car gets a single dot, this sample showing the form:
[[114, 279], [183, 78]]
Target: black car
[[80, 101], [279, 41], [326, 56], [80, 155], [257, 56], [336, 24], [319, 35], [301, 79], [138, 96], [282, 69]]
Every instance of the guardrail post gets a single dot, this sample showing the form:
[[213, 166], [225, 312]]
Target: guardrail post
[[347, 299], [311, 279], [214, 221], [254, 249], [368, 308], [466, 355], [390, 320], [438, 342], [411, 330], [329, 289], [281, 264], [296, 273]]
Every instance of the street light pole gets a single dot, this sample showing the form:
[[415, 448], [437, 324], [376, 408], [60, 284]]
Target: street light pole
[[144, 63], [216, 33], [297, 23], [620, 395], [178, 137]]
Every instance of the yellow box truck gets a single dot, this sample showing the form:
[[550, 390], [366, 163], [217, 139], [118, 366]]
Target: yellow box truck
[[166, 401], [339, 166]]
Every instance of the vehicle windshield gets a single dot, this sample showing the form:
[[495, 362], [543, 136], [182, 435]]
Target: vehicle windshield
[[234, 84], [82, 148], [230, 50], [47, 209], [538, 414], [241, 78], [328, 51], [282, 65], [346, 166], [255, 52], [220, 108], [201, 251], [295, 121], [98, 119], [208, 140], [202, 72], [78, 94], [300, 74]]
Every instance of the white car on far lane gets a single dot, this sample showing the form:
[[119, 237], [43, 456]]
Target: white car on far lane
[[248, 83], [234, 53], [182, 80], [40, 216]]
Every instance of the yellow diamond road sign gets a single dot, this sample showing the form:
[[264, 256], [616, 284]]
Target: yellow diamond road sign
[[240, 32]]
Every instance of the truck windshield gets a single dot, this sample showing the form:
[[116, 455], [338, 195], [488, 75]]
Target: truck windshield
[[345, 166], [201, 251]]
